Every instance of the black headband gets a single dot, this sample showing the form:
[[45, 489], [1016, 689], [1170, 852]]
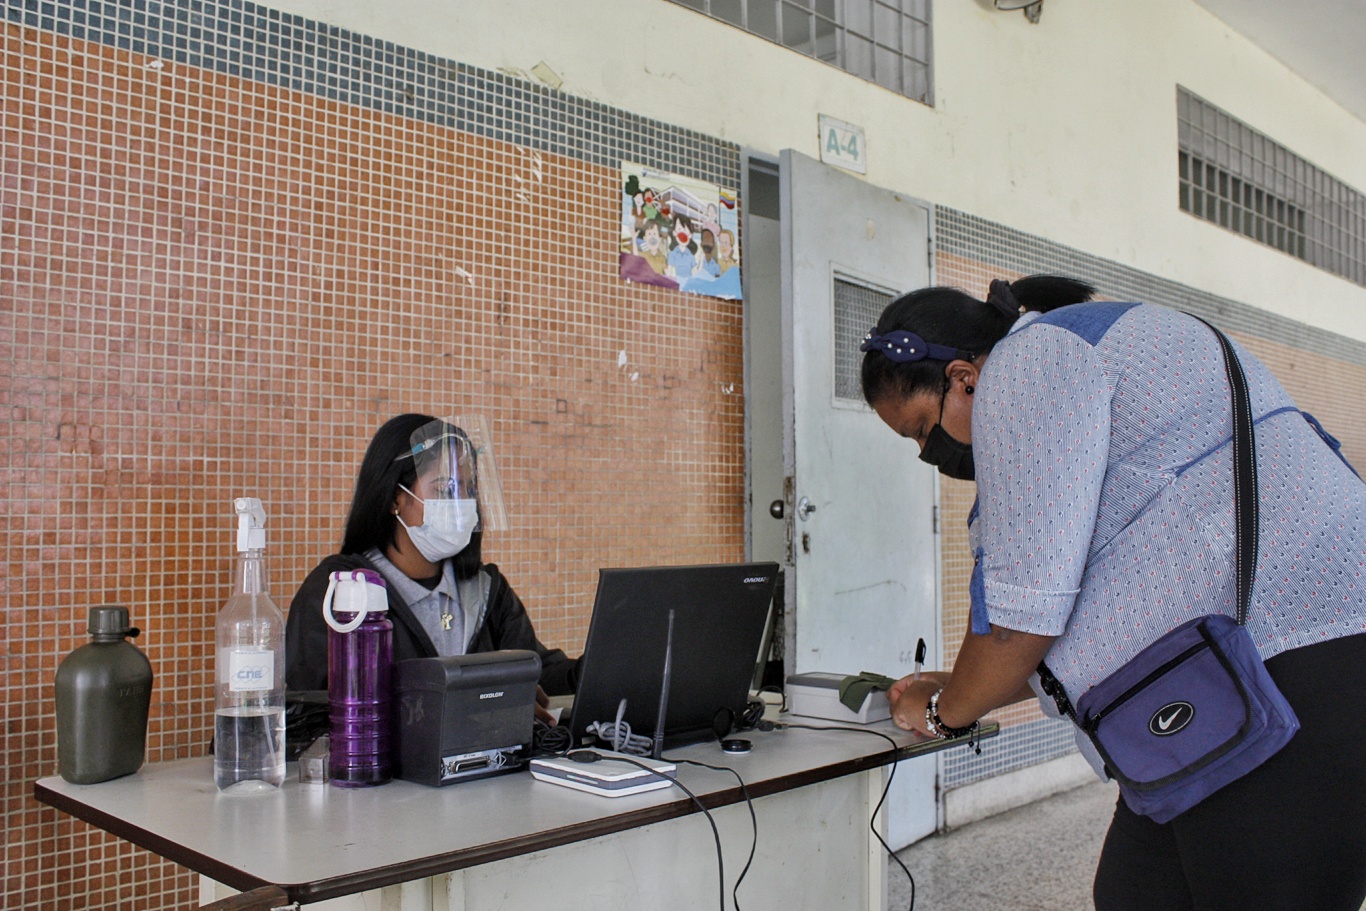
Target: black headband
[[903, 346]]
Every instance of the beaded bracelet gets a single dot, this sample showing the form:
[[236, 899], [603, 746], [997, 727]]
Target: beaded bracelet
[[936, 724]]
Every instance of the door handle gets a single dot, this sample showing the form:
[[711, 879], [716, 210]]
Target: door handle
[[805, 508], [775, 509]]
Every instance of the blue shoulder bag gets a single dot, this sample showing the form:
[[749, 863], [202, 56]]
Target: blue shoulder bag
[[1196, 709]]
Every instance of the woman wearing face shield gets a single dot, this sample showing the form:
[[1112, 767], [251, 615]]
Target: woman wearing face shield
[[1098, 437], [415, 519]]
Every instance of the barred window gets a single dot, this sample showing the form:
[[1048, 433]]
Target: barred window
[[857, 306], [1242, 180], [883, 41]]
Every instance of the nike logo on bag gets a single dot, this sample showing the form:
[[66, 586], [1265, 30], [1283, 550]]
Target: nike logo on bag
[[1170, 718]]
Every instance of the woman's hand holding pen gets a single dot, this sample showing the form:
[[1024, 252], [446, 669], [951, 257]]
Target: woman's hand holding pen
[[992, 670], [909, 696]]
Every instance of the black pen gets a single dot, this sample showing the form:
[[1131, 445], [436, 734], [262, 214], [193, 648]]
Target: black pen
[[919, 657]]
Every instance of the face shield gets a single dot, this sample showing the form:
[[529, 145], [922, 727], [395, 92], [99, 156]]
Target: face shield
[[454, 461]]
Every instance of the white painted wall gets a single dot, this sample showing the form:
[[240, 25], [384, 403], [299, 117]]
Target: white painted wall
[[1065, 129]]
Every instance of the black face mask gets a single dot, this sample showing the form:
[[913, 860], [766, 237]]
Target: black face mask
[[952, 457]]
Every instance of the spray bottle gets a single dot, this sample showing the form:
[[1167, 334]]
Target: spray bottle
[[249, 719], [360, 666]]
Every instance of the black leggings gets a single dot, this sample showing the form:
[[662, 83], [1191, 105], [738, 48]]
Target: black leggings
[[1288, 836]]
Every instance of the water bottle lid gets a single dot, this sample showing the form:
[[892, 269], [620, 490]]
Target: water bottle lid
[[109, 620], [370, 576], [373, 598]]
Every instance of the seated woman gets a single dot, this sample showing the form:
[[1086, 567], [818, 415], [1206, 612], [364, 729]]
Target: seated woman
[[416, 519]]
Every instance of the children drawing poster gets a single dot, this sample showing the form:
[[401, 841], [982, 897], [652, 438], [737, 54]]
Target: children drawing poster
[[677, 232]]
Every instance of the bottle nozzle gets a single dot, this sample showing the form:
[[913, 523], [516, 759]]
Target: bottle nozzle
[[251, 524]]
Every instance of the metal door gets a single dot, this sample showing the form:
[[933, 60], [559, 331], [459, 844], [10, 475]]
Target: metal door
[[860, 506]]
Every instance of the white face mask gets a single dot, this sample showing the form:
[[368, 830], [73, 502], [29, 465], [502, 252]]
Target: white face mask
[[446, 526]]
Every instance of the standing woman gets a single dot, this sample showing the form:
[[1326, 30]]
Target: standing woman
[[1099, 438], [417, 518]]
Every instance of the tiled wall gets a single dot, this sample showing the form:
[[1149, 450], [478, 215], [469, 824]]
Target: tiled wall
[[231, 245]]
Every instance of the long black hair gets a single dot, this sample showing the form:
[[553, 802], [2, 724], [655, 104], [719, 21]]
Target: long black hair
[[371, 521], [948, 316]]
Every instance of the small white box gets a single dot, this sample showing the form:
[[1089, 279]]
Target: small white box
[[608, 775], [817, 695]]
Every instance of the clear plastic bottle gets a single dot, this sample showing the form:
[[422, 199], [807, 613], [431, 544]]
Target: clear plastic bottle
[[249, 718]]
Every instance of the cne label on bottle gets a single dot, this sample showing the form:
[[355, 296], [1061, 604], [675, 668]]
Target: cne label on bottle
[[250, 670]]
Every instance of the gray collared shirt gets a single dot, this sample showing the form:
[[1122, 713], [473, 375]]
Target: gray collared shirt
[[438, 610]]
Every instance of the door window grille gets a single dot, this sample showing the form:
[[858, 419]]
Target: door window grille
[[857, 307]]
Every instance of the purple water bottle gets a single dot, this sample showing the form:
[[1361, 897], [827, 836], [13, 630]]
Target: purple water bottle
[[360, 667]]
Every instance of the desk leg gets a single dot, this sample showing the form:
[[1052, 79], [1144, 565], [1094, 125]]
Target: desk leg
[[418, 895], [449, 895], [875, 781]]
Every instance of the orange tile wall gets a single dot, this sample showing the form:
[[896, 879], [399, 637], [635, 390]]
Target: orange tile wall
[[212, 288]]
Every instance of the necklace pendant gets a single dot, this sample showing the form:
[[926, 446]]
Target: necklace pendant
[[446, 621]]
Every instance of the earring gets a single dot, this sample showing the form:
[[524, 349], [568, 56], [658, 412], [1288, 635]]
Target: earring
[[969, 390]]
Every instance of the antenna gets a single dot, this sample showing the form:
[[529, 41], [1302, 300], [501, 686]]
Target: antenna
[[664, 689]]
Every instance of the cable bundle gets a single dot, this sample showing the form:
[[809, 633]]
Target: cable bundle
[[618, 733]]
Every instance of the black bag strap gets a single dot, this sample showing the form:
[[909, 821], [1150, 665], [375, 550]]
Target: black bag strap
[[1246, 513]]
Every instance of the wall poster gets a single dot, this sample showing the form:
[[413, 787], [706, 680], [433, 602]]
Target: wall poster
[[677, 232]]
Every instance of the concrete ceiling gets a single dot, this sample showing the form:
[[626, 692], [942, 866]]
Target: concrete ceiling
[[1321, 40]]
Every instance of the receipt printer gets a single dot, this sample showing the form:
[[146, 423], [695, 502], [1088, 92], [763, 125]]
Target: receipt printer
[[465, 716]]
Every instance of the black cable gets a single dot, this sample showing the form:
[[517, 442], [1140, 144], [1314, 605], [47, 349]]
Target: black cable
[[753, 818], [780, 693], [778, 725], [715, 834], [749, 719], [547, 739]]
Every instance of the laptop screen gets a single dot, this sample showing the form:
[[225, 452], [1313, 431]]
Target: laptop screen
[[719, 616]]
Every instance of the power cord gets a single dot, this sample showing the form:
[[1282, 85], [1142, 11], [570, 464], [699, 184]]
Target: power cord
[[779, 725], [753, 818], [715, 833], [550, 739], [749, 719], [618, 733], [619, 736], [780, 693]]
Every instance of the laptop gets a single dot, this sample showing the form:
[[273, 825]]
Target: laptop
[[720, 615]]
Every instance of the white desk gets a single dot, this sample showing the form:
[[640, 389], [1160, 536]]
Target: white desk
[[516, 843]]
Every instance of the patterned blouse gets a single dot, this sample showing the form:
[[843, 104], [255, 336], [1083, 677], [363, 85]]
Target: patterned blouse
[[1101, 434]]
